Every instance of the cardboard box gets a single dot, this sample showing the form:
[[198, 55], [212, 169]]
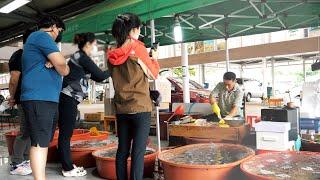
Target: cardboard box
[[99, 116]]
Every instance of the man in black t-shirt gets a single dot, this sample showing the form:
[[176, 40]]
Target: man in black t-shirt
[[20, 158], [15, 67]]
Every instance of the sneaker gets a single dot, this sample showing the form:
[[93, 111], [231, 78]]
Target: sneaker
[[81, 168], [21, 169], [27, 164], [75, 172]]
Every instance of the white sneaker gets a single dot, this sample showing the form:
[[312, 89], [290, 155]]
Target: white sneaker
[[81, 168], [22, 169], [27, 164], [75, 172]]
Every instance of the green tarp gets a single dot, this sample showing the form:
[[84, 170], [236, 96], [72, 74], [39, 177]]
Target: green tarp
[[100, 18], [201, 19]]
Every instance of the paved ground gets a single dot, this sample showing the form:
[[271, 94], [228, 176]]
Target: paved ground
[[53, 171]]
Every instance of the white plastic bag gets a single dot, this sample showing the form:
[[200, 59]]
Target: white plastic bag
[[4, 106]]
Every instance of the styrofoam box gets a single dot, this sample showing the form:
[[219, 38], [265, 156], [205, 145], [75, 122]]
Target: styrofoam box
[[277, 141], [269, 126], [272, 135], [289, 148]]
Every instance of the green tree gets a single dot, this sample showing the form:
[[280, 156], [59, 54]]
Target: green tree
[[179, 72]]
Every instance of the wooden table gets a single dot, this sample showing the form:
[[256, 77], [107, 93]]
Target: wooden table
[[215, 133], [108, 120]]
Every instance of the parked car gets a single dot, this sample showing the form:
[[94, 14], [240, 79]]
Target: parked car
[[197, 92], [251, 87]]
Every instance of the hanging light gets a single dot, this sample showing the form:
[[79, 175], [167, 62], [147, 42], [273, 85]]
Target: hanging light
[[177, 30], [13, 5]]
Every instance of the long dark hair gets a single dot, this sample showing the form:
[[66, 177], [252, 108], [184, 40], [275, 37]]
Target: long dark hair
[[122, 25], [82, 38]]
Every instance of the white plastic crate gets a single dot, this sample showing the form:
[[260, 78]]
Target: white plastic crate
[[272, 135]]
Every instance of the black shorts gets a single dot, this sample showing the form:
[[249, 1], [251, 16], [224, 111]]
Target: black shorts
[[41, 118]]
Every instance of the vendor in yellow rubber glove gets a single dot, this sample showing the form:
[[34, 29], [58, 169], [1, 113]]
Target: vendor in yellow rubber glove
[[216, 110], [227, 97]]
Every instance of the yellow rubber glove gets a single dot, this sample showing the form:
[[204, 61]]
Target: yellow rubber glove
[[224, 125], [216, 110], [222, 121]]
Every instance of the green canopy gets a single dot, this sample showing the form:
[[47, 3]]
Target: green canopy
[[100, 19], [201, 19]]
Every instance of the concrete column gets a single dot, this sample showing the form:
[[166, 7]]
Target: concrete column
[[227, 56], [241, 71], [264, 76], [93, 92], [174, 50], [215, 45], [202, 76], [185, 73], [304, 70], [153, 39], [273, 76]]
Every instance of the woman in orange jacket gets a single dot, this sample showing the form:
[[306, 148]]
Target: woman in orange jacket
[[131, 68]]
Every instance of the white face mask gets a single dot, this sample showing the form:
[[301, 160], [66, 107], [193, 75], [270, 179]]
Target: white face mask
[[94, 50], [136, 36]]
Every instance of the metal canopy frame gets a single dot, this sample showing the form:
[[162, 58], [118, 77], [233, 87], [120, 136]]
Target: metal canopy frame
[[253, 17], [274, 16]]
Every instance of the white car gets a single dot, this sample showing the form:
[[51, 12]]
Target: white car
[[251, 87]]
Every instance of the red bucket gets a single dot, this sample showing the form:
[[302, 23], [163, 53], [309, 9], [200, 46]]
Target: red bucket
[[78, 134]]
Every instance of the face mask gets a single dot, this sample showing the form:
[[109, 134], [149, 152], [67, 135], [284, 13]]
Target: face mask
[[136, 36], [59, 37], [94, 50]]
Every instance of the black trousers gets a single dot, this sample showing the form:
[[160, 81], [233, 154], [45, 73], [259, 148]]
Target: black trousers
[[66, 123], [132, 128], [21, 146]]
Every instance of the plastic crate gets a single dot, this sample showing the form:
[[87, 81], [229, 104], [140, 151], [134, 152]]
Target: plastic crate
[[310, 124]]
